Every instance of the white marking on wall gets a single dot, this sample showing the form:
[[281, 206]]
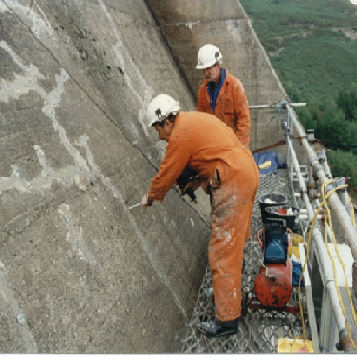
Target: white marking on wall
[[74, 235], [27, 82], [187, 24], [21, 85], [15, 171], [146, 247], [71, 175], [38, 24], [3, 7], [6, 292], [42, 25], [121, 52]]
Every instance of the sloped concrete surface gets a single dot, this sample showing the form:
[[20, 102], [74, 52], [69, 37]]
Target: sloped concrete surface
[[79, 271], [189, 24]]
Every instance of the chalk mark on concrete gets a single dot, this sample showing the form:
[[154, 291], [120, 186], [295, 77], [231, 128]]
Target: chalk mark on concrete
[[52, 100], [23, 328], [121, 51], [22, 85], [146, 247], [74, 235]]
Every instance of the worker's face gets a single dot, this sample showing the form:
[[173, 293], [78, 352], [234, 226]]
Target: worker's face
[[212, 73], [164, 131]]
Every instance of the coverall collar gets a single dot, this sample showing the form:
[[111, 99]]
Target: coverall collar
[[213, 96]]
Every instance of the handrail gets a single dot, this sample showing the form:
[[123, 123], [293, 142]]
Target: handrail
[[318, 169], [321, 171], [337, 206], [320, 245]]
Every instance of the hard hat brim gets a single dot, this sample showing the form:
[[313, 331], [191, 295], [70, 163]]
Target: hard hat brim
[[159, 121], [207, 65]]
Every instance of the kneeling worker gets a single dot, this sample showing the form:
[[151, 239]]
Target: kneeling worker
[[227, 170]]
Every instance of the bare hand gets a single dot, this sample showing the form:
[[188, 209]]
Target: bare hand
[[146, 201]]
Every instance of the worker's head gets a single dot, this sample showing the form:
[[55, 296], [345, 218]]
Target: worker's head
[[209, 61], [165, 127], [161, 115]]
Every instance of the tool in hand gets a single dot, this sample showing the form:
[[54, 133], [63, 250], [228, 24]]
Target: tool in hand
[[138, 204], [184, 178]]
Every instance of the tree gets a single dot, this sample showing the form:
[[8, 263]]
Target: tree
[[347, 101], [332, 128]]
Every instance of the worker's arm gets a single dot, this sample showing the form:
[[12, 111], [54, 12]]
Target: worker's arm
[[241, 109], [193, 183], [178, 153]]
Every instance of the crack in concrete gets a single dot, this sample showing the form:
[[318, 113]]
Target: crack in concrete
[[146, 247], [120, 50], [74, 235], [29, 344], [52, 100], [29, 13], [147, 157], [21, 85]]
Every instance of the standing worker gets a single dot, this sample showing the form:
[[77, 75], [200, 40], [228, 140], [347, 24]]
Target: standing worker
[[229, 174], [222, 94]]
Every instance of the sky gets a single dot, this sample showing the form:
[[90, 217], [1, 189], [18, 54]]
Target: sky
[[354, 2]]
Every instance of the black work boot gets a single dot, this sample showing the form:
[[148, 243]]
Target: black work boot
[[216, 328]]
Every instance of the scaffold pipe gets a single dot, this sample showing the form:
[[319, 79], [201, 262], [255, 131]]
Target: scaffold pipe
[[337, 206], [320, 246], [258, 106]]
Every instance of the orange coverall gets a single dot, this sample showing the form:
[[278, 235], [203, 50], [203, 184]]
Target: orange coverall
[[231, 107], [208, 146]]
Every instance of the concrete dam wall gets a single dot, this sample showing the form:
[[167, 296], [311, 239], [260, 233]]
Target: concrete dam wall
[[187, 25], [80, 272]]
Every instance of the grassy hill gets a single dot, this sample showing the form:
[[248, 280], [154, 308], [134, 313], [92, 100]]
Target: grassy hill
[[312, 45]]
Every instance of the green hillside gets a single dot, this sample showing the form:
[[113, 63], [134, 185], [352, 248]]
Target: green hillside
[[312, 45]]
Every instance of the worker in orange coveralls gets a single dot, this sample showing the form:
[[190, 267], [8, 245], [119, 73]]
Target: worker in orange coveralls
[[222, 94], [229, 174]]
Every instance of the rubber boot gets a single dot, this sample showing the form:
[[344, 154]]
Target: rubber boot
[[216, 328]]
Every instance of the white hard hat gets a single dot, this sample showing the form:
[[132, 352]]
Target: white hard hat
[[208, 55], [160, 108]]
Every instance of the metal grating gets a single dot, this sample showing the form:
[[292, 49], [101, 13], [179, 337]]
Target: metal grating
[[261, 329]]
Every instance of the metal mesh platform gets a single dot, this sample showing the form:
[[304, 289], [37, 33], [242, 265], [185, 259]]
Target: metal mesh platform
[[261, 329]]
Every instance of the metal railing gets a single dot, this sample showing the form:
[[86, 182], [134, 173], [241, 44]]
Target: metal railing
[[318, 173], [266, 327]]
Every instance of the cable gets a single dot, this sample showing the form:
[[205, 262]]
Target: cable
[[325, 349], [283, 181], [306, 256], [340, 260]]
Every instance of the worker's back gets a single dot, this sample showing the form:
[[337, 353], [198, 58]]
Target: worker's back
[[205, 144], [209, 142]]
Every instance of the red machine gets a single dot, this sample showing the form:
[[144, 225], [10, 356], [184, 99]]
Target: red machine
[[273, 284]]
